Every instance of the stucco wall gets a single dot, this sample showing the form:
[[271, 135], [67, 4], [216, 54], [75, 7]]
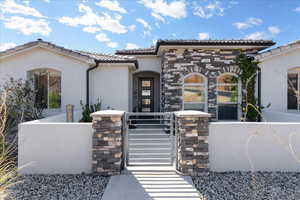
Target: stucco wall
[[239, 146], [274, 79], [110, 84], [73, 78], [149, 63], [55, 148], [275, 116]]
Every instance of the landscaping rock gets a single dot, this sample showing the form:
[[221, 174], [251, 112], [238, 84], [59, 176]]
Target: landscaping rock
[[246, 185], [63, 187]]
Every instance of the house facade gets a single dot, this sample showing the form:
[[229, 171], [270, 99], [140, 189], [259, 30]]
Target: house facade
[[280, 78], [173, 75]]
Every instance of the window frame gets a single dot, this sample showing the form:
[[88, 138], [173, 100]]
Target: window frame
[[204, 85], [239, 97], [295, 70], [30, 75]]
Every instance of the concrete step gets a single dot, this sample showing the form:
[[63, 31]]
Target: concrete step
[[150, 163]]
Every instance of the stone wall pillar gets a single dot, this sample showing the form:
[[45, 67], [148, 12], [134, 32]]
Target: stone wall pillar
[[107, 152], [192, 142]]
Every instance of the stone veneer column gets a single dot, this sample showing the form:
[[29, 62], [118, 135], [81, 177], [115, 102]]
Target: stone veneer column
[[192, 142], [107, 142]]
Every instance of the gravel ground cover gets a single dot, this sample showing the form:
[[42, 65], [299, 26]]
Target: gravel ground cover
[[249, 186], [62, 187]]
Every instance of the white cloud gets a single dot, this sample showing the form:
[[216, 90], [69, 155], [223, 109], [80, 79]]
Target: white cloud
[[274, 30], [28, 26], [271, 33], [132, 27], [5, 46], [257, 36], [158, 17], [131, 46], [102, 37], [112, 5], [11, 7], [91, 29], [112, 44], [144, 23], [89, 18], [250, 22], [213, 8], [175, 9], [203, 36], [297, 9]]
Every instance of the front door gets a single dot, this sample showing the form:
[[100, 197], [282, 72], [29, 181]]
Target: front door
[[145, 94]]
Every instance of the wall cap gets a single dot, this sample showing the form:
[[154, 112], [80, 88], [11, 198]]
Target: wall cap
[[108, 113], [192, 113]]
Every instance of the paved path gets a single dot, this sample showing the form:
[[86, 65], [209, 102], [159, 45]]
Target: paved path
[[150, 183]]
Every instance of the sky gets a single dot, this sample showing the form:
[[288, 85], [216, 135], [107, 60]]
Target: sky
[[105, 26]]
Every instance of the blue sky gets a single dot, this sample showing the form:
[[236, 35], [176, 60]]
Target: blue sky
[[108, 25]]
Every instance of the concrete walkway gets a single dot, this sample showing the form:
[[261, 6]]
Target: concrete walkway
[[150, 183]]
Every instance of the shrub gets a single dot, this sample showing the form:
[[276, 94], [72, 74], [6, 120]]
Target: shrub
[[87, 110], [20, 102]]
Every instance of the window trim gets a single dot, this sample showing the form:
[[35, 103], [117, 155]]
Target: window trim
[[30, 76], [239, 100], [195, 84], [293, 71]]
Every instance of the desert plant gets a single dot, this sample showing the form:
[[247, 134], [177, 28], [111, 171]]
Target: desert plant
[[8, 171], [20, 102], [87, 110]]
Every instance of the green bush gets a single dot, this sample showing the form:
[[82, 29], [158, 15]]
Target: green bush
[[87, 110]]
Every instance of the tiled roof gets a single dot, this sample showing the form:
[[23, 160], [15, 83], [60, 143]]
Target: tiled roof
[[153, 50], [87, 55], [106, 57], [279, 50]]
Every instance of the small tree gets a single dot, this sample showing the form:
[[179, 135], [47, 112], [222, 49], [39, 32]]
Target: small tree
[[249, 68]]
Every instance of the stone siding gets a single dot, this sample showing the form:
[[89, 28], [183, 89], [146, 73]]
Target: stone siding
[[192, 143], [177, 63], [107, 152]]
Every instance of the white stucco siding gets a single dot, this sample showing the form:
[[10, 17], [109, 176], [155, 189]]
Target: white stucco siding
[[110, 84], [274, 79], [149, 63], [73, 72]]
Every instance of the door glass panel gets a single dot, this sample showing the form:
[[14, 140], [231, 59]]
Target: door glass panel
[[146, 83], [146, 109], [146, 92], [146, 101], [193, 94]]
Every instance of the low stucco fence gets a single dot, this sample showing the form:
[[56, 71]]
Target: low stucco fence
[[262, 146], [53, 146], [49, 147]]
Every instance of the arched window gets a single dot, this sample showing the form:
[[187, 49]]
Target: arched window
[[227, 97], [47, 83], [293, 93], [194, 92]]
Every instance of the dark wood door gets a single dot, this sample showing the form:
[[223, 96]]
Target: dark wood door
[[145, 95]]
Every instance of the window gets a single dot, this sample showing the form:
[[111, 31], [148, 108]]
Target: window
[[194, 92], [293, 95], [227, 97], [47, 83]]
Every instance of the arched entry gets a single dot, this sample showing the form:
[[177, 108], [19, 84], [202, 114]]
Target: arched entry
[[146, 91]]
